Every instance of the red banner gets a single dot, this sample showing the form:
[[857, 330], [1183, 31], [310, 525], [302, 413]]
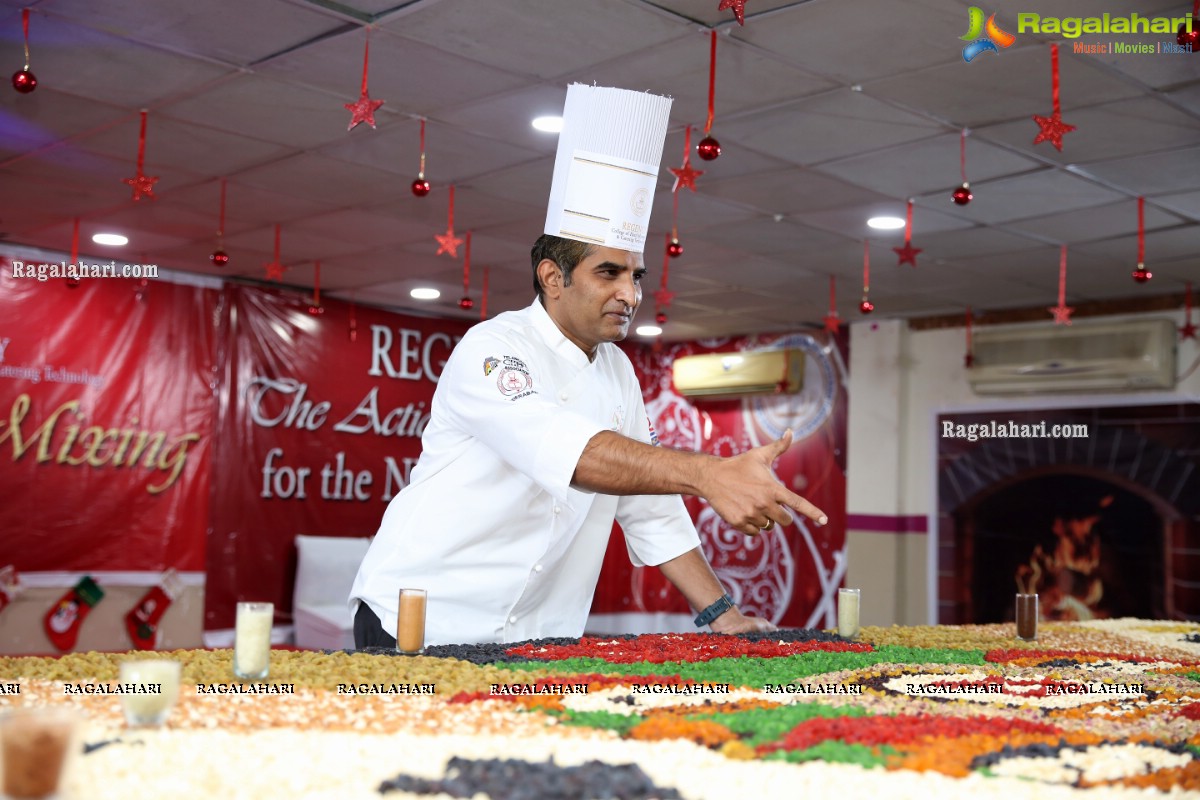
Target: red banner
[[788, 575], [315, 434], [106, 394], [157, 426]]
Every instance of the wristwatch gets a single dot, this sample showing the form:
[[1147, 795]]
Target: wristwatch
[[715, 610]]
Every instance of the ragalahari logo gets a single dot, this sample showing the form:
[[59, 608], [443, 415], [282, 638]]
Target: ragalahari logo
[[984, 37]]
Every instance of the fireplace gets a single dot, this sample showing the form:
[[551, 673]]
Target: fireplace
[[1106, 525]]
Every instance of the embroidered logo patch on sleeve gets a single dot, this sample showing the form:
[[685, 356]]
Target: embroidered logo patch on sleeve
[[489, 364], [653, 433], [511, 382], [514, 380]]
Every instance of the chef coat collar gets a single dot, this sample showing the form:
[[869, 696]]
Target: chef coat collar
[[553, 336]]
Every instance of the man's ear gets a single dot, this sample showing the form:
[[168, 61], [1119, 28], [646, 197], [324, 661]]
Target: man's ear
[[551, 277]]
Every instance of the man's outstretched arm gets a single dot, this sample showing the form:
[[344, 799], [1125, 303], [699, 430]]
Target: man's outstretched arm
[[743, 489]]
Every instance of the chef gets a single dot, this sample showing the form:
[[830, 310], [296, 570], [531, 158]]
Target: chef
[[538, 438]]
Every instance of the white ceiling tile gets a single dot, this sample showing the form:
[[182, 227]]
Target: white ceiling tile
[[833, 125]]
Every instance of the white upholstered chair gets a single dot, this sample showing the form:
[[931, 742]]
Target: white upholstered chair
[[325, 570]]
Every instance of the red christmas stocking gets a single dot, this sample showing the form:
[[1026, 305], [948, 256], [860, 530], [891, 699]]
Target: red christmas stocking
[[142, 621], [64, 618]]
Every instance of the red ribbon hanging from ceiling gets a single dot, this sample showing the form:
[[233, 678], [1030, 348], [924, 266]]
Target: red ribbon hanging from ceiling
[[712, 82], [483, 299], [421, 172], [141, 156], [663, 297], [1141, 258], [1062, 276], [866, 306], [221, 214], [1188, 330], [366, 60], [467, 267], [1054, 91], [962, 155], [25, 28], [969, 358]]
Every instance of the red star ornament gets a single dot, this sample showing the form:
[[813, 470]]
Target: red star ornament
[[1187, 331], [1052, 129], [142, 185], [739, 9], [685, 176], [363, 111], [274, 271], [832, 322], [907, 254], [663, 298], [448, 243], [1062, 314]]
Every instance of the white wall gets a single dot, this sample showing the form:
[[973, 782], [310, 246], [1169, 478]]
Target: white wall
[[900, 380]]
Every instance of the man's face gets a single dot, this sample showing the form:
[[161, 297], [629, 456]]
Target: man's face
[[599, 303]]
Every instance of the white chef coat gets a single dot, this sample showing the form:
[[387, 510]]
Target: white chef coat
[[489, 524]]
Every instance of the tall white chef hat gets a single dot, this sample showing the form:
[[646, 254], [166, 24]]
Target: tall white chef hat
[[607, 166]]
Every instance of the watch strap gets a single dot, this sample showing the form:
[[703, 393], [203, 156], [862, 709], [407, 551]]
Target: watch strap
[[723, 604]]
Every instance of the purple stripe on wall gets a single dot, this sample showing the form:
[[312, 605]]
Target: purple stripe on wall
[[884, 523]]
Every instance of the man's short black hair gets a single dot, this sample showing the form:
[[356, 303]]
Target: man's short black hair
[[567, 253]]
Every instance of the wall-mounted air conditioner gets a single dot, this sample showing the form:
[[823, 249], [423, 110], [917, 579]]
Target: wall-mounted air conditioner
[[1083, 357], [734, 374]]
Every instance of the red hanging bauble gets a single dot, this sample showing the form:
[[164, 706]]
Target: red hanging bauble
[[674, 248], [420, 187], [1185, 38], [316, 311], [73, 283], [466, 304], [708, 148], [866, 306], [660, 318], [219, 258], [24, 81], [1141, 274], [962, 195]]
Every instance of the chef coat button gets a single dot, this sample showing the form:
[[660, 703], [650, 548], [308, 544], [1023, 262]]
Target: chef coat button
[[512, 620], [563, 397], [537, 567], [557, 509]]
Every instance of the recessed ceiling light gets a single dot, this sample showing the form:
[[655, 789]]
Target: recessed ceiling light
[[548, 124], [885, 223], [424, 293], [113, 239], [648, 330]]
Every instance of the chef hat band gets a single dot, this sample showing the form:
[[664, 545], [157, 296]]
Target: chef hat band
[[606, 167]]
